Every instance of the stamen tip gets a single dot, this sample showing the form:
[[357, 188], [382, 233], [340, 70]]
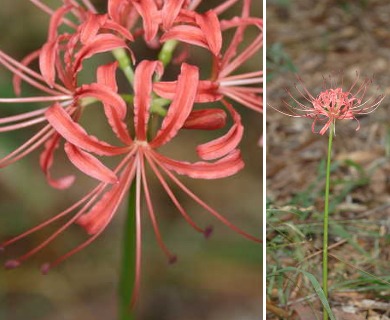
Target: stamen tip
[[45, 268], [172, 259], [208, 231], [11, 264]]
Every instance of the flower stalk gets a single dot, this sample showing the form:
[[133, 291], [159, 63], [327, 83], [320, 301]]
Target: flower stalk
[[124, 63], [127, 272], [326, 221]]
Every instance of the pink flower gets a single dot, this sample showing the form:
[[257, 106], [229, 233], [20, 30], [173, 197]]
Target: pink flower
[[61, 60], [220, 158], [333, 102], [67, 96], [245, 88]]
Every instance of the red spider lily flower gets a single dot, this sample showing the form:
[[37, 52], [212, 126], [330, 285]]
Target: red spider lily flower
[[67, 96], [203, 30], [95, 211], [245, 88], [64, 54], [333, 103]]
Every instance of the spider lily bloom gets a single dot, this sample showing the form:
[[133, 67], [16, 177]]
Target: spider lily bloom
[[63, 55], [95, 211], [333, 103], [68, 97], [222, 83]]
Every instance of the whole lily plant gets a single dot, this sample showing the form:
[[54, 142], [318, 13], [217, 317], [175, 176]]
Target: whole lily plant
[[143, 118]]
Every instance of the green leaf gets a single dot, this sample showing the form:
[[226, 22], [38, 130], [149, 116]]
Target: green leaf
[[316, 286]]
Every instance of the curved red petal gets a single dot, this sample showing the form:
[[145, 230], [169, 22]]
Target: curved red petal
[[209, 24], [47, 62], [109, 24], [102, 212], [100, 43], [89, 164], [150, 16], [181, 105], [225, 167], [89, 29], [207, 91], [185, 33], [46, 161], [56, 20], [16, 79], [75, 134], [106, 75], [104, 94], [206, 119], [142, 94], [221, 146], [170, 11]]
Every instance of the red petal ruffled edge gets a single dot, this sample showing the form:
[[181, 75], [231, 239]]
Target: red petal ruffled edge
[[106, 74], [209, 24], [89, 164], [142, 94], [46, 161], [170, 11], [205, 119], [185, 33], [207, 91], [100, 43], [104, 94], [223, 145], [47, 62], [151, 17], [180, 107], [225, 167], [75, 134]]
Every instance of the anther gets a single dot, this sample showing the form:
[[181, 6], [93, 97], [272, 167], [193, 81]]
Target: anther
[[45, 268], [11, 264], [172, 259], [208, 231]]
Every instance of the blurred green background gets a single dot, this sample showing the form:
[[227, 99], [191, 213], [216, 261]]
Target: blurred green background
[[219, 278]]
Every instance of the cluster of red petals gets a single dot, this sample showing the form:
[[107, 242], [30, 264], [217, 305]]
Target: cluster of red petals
[[67, 101], [333, 103]]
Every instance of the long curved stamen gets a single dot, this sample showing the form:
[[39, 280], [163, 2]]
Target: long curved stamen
[[29, 75], [50, 12], [206, 231], [36, 99], [23, 124], [171, 256], [207, 207], [138, 235], [118, 197], [53, 219], [226, 83], [27, 147], [23, 116]]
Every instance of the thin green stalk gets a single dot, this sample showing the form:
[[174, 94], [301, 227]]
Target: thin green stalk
[[127, 271], [326, 223], [166, 52], [124, 61]]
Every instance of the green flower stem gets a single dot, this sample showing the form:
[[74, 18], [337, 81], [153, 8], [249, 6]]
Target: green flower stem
[[326, 223], [165, 55], [124, 61], [158, 105], [127, 271]]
